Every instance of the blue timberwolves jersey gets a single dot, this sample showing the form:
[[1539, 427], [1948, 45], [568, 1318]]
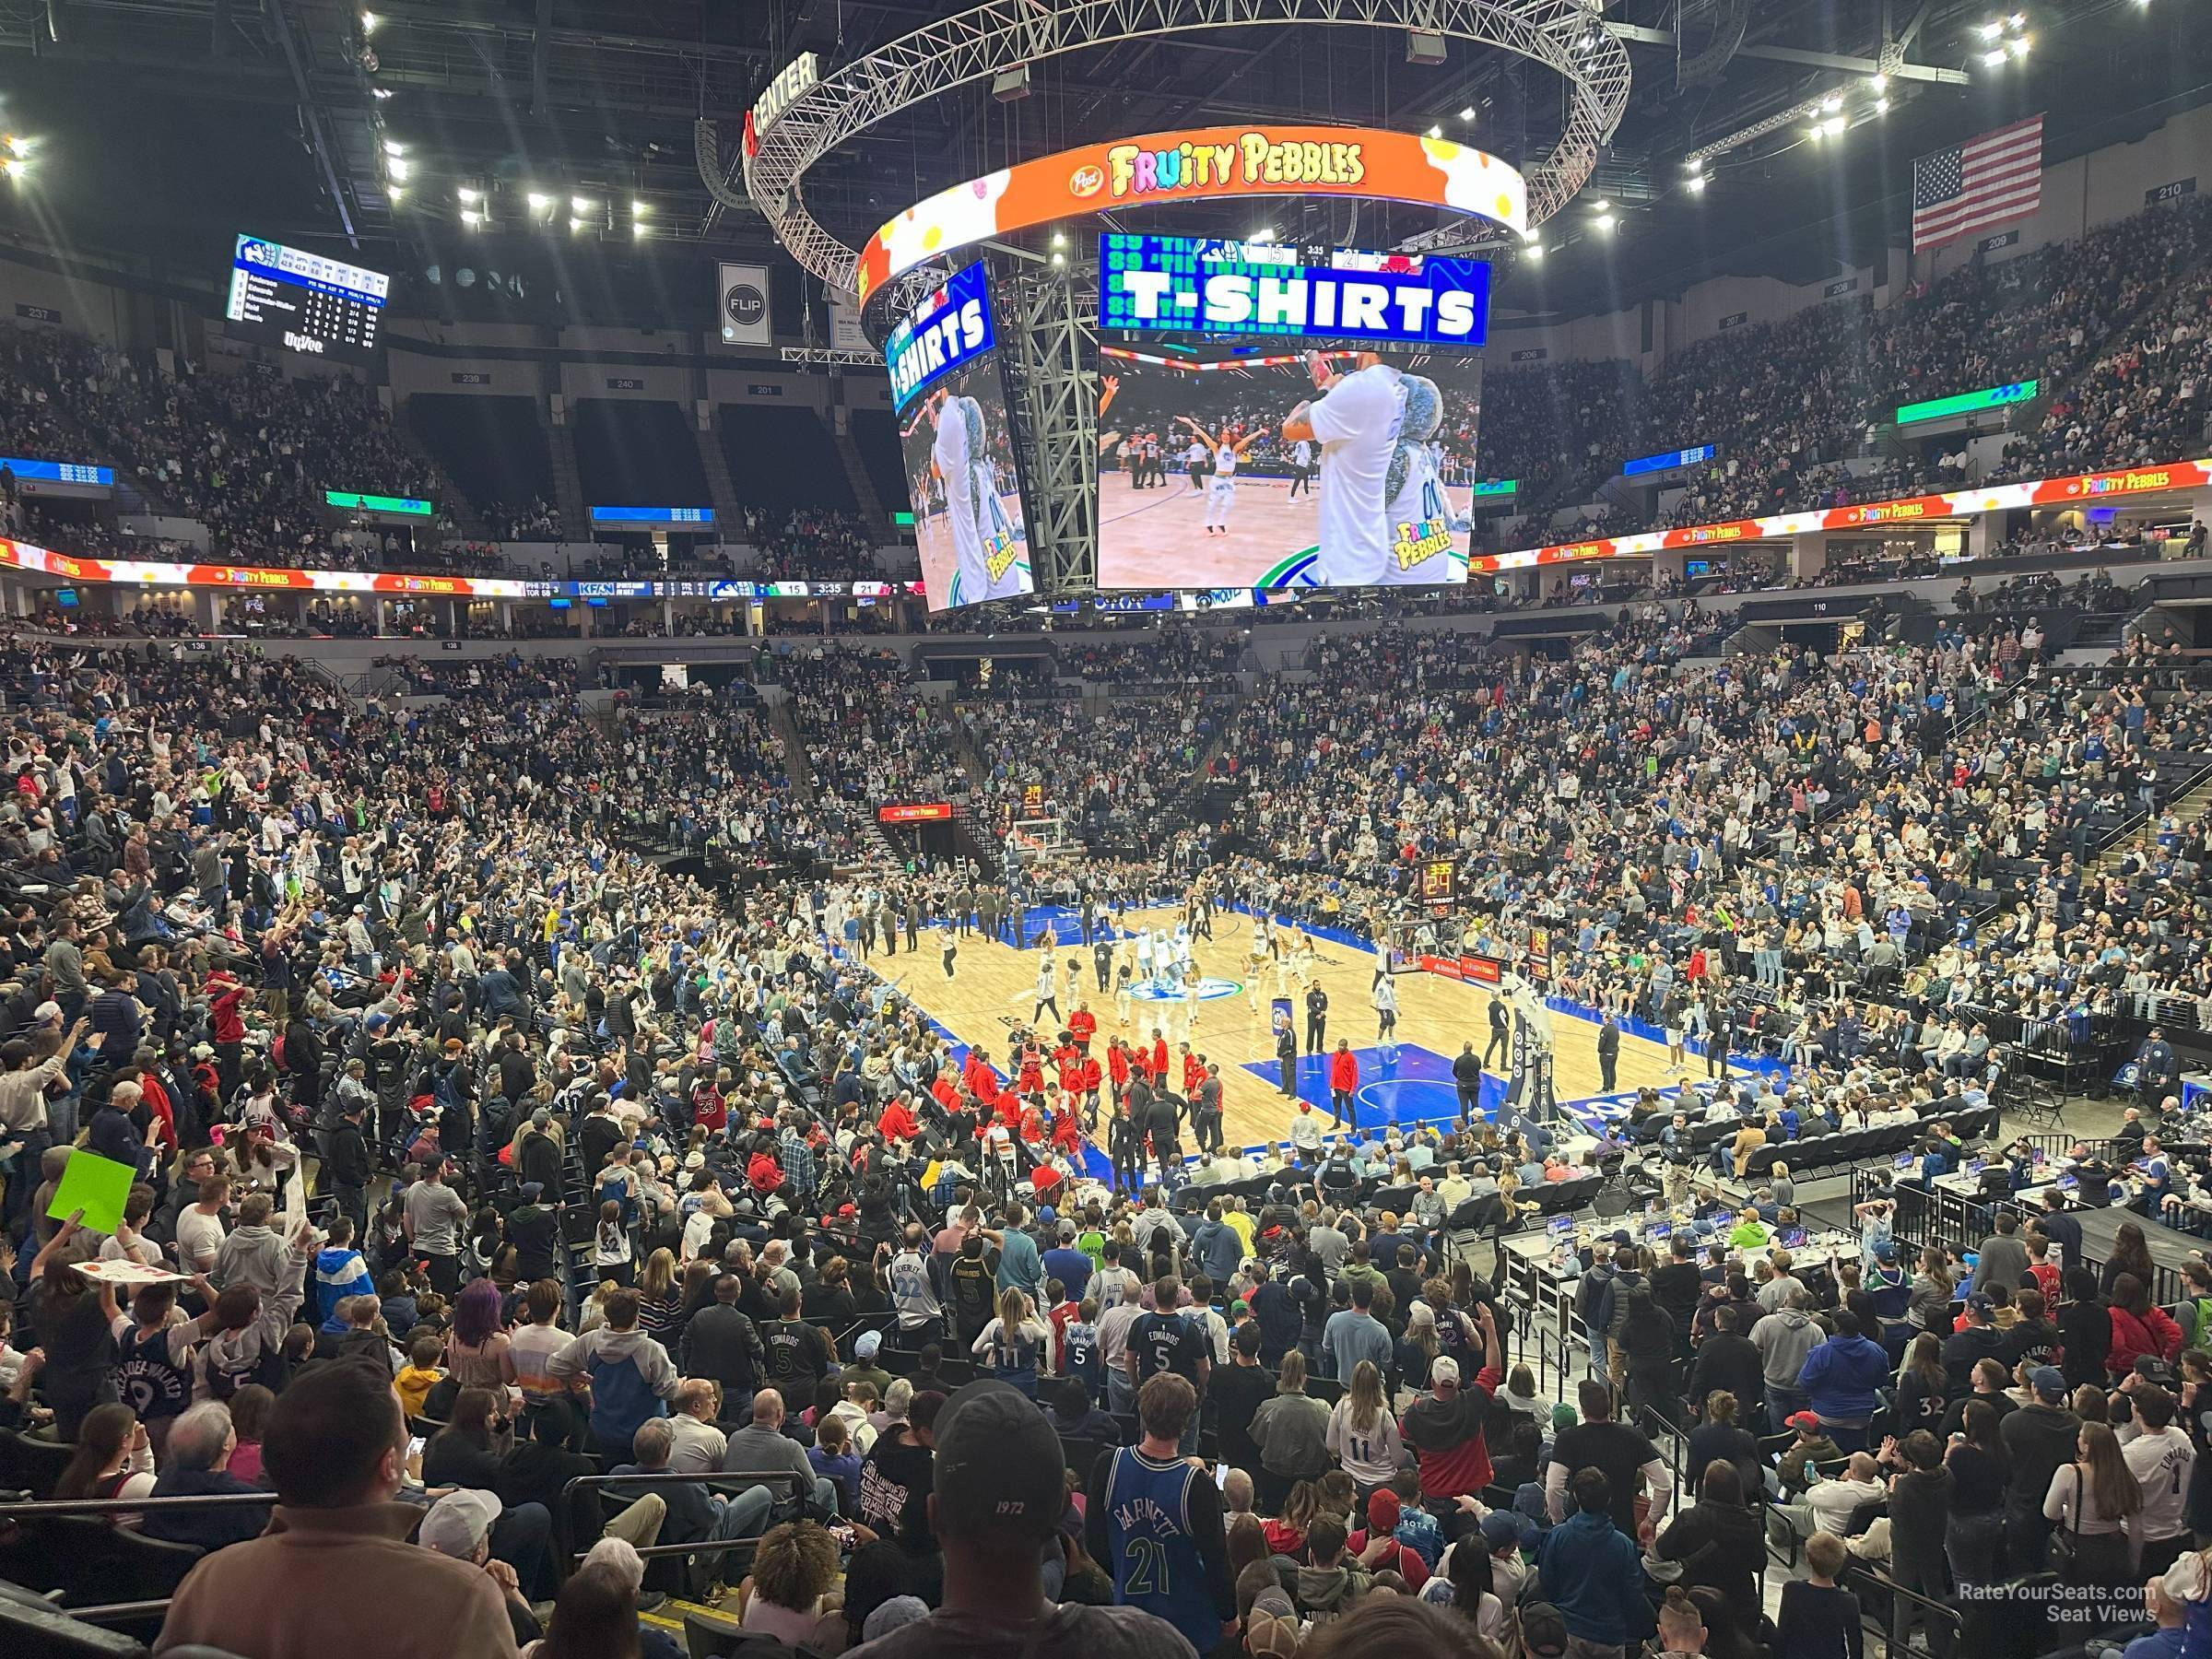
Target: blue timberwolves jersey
[[1156, 1561]]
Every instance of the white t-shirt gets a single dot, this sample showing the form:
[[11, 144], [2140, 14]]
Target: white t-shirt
[[198, 1238], [1356, 421], [2161, 1464], [1225, 460]]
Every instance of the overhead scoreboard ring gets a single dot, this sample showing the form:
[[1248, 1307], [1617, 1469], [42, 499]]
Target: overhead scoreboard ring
[[805, 117]]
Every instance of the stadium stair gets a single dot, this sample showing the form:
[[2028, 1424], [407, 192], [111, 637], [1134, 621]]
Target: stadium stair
[[722, 493], [786, 728], [568, 483], [864, 487], [469, 523]]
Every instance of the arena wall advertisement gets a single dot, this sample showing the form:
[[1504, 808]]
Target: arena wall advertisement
[[1282, 467], [2073, 490], [958, 443], [1201, 164]]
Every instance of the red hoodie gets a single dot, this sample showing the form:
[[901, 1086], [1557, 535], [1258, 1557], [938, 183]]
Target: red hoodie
[[898, 1121], [1446, 1437]]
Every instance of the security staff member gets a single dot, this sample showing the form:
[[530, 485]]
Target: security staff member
[[1608, 1054], [1317, 1017], [1500, 1040], [1466, 1078]]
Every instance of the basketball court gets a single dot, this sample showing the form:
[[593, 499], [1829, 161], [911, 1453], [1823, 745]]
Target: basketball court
[[1159, 539], [993, 989]]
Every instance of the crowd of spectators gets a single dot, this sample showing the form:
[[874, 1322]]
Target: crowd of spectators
[[458, 891]]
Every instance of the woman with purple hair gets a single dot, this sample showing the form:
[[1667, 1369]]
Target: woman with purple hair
[[476, 1352]]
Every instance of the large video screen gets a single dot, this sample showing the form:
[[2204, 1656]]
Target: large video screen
[[301, 302], [1272, 464], [958, 445]]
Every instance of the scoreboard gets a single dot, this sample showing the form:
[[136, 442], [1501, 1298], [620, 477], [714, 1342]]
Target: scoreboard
[[303, 302]]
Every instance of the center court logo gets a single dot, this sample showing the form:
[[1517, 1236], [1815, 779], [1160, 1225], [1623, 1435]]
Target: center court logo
[[1208, 989]]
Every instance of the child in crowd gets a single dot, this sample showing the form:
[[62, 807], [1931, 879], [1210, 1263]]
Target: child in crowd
[[420, 1375], [835, 1460]]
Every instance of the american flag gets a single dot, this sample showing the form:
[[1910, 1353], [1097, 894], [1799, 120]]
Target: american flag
[[1986, 181]]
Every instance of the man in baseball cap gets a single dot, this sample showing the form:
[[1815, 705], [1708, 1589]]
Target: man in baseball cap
[[999, 1493]]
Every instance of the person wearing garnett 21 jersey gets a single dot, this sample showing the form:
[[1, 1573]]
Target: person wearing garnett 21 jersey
[[1154, 1520]]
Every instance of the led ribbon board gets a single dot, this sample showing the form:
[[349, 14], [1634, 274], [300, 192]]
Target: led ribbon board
[[653, 515], [346, 500], [952, 326], [60, 472], [1966, 403], [1204, 164], [1159, 284], [1668, 461]]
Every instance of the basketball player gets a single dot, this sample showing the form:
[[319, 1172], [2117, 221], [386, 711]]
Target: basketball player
[[986, 549], [1386, 1009], [1047, 998], [1143, 954], [1302, 467], [1358, 421], [1221, 489]]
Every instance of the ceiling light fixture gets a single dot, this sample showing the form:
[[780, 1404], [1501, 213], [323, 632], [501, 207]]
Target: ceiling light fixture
[[539, 201], [469, 194], [368, 22], [582, 204], [396, 168], [1605, 221], [1832, 102], [1882, 106], [1697, 186], [1535, 252], [1467, 113], [1990, 32], [639, 210], [393, 146], [2019, 45], [1994, 60], [1436, 132]]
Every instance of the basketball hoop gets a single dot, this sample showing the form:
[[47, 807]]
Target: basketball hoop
[[1031, 839]]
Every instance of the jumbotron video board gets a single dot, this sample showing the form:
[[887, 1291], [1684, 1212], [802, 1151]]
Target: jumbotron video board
[[957, 438], [300, 301], [1274, 421]]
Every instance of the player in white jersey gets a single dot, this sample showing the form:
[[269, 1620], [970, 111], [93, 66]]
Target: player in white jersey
[[1221, 488], [987, 544], [1417, 520], [1356, 422]]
